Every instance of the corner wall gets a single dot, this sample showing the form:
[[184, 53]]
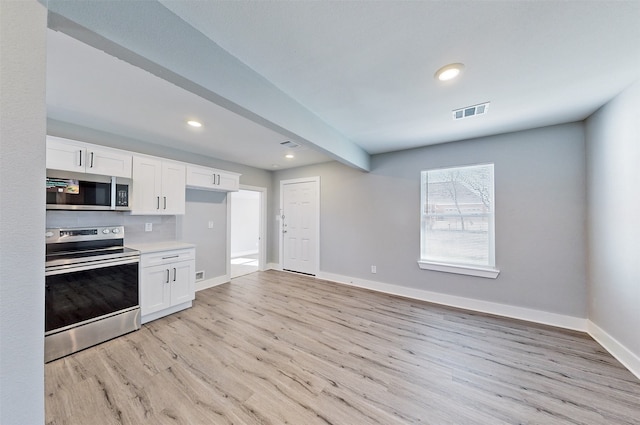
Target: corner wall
[[23, 27], [374, 219], [613, 164]]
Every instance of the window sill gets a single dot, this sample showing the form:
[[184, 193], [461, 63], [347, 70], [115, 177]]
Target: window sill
[[478, 271]]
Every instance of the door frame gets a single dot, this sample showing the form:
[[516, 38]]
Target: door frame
[[316, 180], [262, 245]]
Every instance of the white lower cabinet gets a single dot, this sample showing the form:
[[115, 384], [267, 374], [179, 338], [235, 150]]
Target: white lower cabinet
[[167, 282]]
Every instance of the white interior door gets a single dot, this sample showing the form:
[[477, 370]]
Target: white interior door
[[300, 225]]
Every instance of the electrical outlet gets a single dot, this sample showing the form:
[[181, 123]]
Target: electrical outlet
[[148, 227], [373, 269], [211, 225]]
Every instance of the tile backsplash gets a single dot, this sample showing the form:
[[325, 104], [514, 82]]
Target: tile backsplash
[[83, 218], [164, 226]]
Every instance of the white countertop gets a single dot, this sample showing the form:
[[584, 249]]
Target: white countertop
[[146, 248]]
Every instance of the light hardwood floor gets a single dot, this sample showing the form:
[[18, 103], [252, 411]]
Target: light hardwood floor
[[278, 348]]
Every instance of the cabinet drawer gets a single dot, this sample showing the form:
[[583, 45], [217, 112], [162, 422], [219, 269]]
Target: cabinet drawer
[[166, 257]]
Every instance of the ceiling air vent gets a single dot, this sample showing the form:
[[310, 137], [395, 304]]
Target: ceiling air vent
[[289, 145], [470, 111]]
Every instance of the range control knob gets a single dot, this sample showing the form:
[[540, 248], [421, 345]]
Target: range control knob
[[48, 234], [116, 230], [105, 231]]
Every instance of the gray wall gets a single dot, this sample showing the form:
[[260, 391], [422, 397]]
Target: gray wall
[[613, 152], [211, 244], [22, 161], [373, 218]]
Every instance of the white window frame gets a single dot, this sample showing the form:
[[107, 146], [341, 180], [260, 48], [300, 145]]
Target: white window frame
[[487, 271]]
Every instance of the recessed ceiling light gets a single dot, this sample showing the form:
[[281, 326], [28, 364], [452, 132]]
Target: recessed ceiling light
[[194, 124], [289, 156], [449, 72]]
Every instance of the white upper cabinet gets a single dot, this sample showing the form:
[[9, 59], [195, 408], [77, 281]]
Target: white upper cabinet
[[72, 155], [158, 186], [212, 179]]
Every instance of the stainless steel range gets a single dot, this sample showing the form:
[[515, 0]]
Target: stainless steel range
[[91, 288]]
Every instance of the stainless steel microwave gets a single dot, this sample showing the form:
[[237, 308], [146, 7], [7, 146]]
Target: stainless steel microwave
[[97, 193]]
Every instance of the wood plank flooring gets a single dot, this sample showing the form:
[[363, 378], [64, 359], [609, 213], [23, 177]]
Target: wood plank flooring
[[278, 348]]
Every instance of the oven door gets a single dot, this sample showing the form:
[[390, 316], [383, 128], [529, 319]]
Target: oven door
[[78, 294]]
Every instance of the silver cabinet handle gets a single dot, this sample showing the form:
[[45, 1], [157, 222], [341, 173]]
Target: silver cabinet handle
[[80, 152], [175, 273], [91, 165], [167, 275], [158, 202], [165, 202]]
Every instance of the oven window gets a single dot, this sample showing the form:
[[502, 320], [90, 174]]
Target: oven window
[[82, 295]]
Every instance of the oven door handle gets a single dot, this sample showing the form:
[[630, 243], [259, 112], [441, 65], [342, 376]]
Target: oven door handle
[[70, 268]]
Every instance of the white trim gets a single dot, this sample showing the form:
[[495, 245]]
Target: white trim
[[211, 282], [316, 180], [162, 313], [478, 271], [274, 266], [520, 313], [227, 266], [625, 356]]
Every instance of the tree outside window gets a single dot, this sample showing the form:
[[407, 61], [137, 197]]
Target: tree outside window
[[457, 216]]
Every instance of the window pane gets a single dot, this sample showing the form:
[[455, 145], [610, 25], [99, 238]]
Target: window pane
[[457, 215], [448, 242]]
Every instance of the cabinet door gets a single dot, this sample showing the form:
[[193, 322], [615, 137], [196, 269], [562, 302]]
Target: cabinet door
[[173, 188], [108, 162], [147, 180], [155, 289], [200, 177], [229, 182], [212, 179], [65, 154], [183, 282]]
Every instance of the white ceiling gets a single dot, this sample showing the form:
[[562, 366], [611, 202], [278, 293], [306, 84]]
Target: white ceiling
[[87, 87], [365, 69]]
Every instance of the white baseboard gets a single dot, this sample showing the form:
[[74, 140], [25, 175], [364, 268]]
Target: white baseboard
[[617, 350], [162, 313], [211, 282], [274, 266], [521, 313]]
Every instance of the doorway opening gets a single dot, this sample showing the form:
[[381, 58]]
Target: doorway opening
[[247, 226]]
